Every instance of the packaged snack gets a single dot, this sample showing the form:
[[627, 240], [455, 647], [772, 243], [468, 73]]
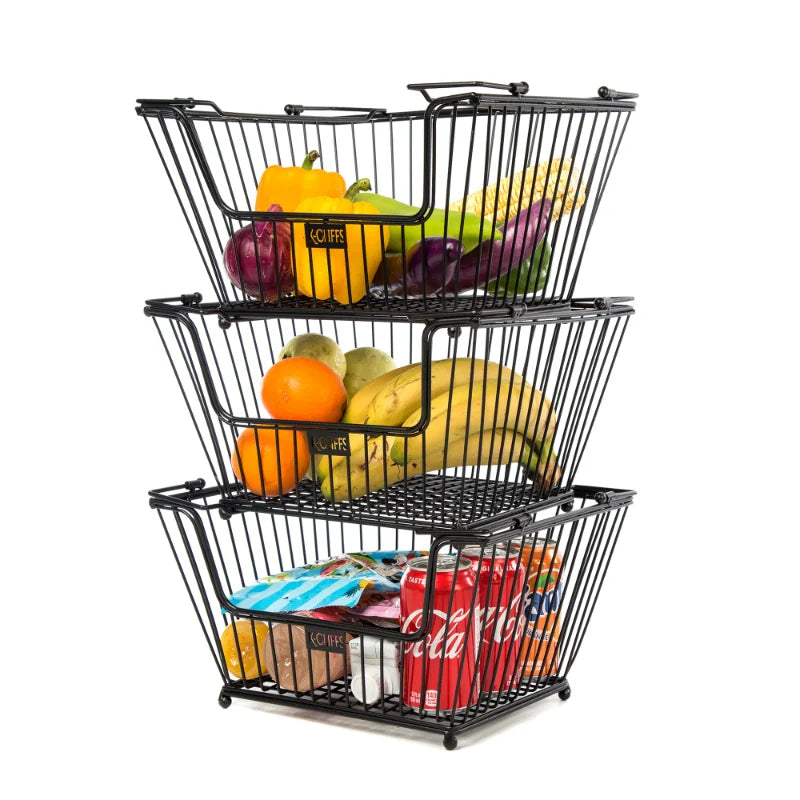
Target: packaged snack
[[241, 651], [339, 581], [377, 607], [300, 667], [375, 668]]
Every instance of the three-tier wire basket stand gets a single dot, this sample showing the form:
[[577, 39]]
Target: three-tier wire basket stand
[[456, 252]]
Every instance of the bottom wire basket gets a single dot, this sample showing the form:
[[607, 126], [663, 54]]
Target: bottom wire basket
[[433, 631]]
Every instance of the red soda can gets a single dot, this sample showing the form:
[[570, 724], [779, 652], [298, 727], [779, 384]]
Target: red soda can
[[431, 665], [501, 592]]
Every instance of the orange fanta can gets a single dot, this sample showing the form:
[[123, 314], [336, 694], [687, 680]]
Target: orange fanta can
[[541, 563]]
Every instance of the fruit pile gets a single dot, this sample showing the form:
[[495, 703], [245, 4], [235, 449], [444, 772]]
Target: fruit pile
[[480, 414], [311, 382]]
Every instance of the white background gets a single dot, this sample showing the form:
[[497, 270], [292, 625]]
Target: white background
[[687, 684]]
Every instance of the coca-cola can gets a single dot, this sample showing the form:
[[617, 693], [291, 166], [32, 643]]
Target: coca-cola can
[[501, 593], [440, 670]]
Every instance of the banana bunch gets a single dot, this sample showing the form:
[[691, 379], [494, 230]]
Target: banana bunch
[[481, 413]]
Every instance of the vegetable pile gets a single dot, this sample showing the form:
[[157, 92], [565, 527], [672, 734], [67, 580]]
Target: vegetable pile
[[474, 245]]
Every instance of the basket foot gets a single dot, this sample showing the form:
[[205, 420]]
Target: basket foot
[[224, 700], [450, 741], [565, 693]]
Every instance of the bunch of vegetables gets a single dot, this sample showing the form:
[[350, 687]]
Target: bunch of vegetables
[[454, 250]]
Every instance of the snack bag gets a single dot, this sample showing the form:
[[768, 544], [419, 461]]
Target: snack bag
[[379, 607], [311, 668], [339, 581]]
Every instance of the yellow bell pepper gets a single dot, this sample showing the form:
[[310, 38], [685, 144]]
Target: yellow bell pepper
[[289, 186], [345, 271]]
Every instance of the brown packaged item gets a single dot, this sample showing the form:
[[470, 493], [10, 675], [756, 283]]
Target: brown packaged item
[[295, 658]]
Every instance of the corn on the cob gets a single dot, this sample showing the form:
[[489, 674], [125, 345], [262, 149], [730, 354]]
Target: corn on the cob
[[565, 188]]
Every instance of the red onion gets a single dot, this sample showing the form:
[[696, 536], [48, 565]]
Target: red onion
[[258, 258]]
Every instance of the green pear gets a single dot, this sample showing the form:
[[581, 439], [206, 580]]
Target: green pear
[[320, 348], [364, 364]]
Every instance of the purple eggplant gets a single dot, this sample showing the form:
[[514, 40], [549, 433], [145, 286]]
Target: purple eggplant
[[425, 269], [493, 259]]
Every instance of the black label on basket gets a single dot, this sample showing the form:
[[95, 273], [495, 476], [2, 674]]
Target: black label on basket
[[329, 444], [324, 639], [329, 235]]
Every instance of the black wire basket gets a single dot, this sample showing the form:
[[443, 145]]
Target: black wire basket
[[451, 660], [393, 388], [480, 418], [480, 202]]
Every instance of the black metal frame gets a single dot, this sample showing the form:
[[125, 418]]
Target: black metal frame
[[217, 198], [224, 537], [585, 535]]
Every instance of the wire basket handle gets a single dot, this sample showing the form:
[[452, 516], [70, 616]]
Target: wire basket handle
[[293, 110], [517, 89]]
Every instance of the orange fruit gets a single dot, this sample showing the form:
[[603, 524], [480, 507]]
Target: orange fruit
[[303, 389], [258, 452], [245, 648]]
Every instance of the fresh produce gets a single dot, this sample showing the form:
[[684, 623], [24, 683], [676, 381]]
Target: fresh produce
[[482, 412], [492, 260], [241, 650], [425, 269], [319, 347], [344, 273], [529, 277], [270, 462], [395, 399], [545, 472], [469, 409], [357, 411], [364, 364], [303, 389], [399, 398], [469, 229], [557, 180], [289, 186], [258, 259], [375, 469]]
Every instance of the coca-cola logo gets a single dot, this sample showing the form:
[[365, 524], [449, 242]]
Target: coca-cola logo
[[434, 644], [509, 624]]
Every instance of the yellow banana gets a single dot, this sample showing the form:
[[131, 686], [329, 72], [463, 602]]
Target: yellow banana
[[324, 464], [542, 466], [361, 474], [545, 472], [377, 471], [398, 396], [398, 399], [356, 413], [471, 409]]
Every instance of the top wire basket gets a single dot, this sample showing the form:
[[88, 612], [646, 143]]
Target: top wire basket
[[481, 202]]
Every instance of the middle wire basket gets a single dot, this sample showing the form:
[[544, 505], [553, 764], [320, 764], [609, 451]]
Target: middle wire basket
[[480, 419]]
